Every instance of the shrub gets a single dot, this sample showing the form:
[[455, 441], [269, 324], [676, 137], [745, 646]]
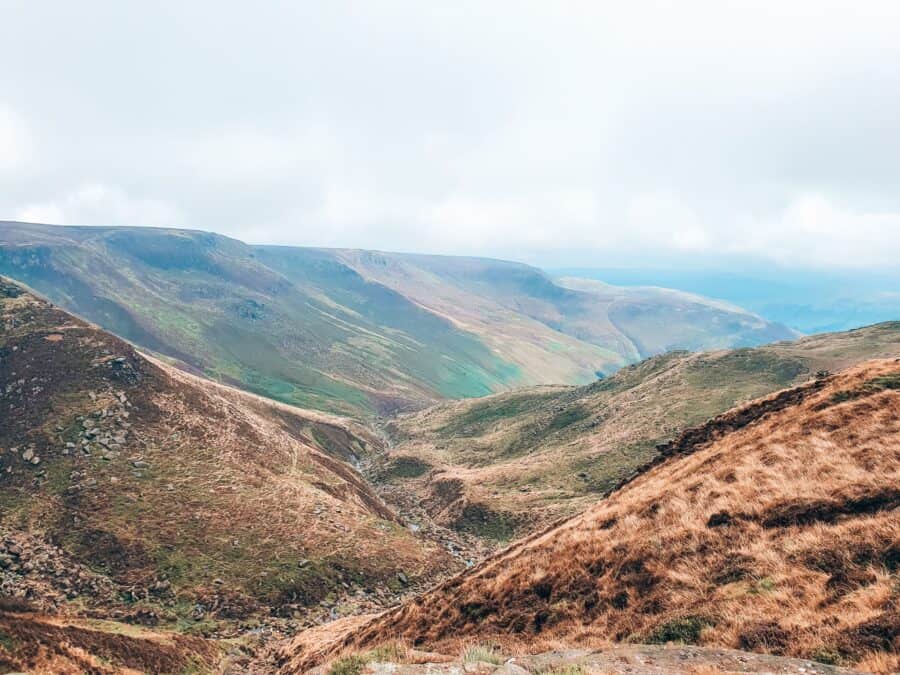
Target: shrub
[[349, 665], [685, 629]]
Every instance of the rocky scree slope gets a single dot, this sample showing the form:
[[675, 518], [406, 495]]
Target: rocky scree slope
[[134, 491]]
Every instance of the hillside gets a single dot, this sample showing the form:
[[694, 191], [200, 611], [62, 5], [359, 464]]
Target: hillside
[[772, 528], [500, 466], [356, 332], [131, 490]]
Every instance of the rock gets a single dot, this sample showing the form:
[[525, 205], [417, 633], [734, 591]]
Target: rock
[[402, 578], [35, 460], [140, 464], [28, 454]]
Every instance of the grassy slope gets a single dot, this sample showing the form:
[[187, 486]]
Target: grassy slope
[[773, 528], [354, 332], [210, 498], [520, 305], [316, 336], [501, 465]]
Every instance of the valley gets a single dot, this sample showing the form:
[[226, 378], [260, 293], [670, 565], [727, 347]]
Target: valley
[[155, 520], [357, 332], [773, 527], [500, 466]]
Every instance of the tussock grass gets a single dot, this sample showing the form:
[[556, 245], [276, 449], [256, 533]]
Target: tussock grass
[[482, 653], [535, 455], [774, 529]]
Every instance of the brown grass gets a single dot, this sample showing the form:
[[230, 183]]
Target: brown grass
[[780, 534], [243, 506], [42, 644], [506, 465]]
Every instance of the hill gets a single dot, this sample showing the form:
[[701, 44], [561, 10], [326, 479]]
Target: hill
[[356, 332], [809, 300], [773, 527], [500, 466], [130, 490]]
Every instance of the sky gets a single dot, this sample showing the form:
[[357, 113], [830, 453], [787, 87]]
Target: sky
[[558, 133]]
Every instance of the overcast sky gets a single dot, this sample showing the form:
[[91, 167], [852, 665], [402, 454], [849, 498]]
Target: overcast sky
[[560, 133]]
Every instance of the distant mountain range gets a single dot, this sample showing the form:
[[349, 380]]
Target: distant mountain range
[[807, 300], [359, 332]]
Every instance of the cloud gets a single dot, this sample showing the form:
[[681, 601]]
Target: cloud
[[814, 231], [561, 133], [16, 147], [98, 204]]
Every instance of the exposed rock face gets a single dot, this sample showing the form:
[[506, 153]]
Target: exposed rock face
[[633, 659]]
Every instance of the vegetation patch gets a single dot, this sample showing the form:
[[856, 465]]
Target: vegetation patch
[[685, 629], [867, 388], [354, 664], [482, 654], [406, 467], [483, 522], [349, 665], [480, 416]]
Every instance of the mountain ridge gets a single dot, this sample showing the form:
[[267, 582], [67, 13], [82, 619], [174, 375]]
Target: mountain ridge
[[353, 331]]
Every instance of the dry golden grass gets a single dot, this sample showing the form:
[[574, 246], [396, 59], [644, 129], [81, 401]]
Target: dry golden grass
[[774, 528], [512, 463], [39, 644]]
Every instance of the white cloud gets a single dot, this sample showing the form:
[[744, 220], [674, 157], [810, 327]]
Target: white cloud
[[812, 230], [99, 204], [576, 132], [16, 147], [663, 220]]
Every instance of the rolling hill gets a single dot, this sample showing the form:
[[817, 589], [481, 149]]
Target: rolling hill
[[773, 528], [500, 466], [134, 491], [357, 332]]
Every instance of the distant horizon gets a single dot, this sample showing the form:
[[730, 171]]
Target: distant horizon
[[731, 265], [808, 300]]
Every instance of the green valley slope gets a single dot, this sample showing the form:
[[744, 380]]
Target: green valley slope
[[505, 464], [356, 332]]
